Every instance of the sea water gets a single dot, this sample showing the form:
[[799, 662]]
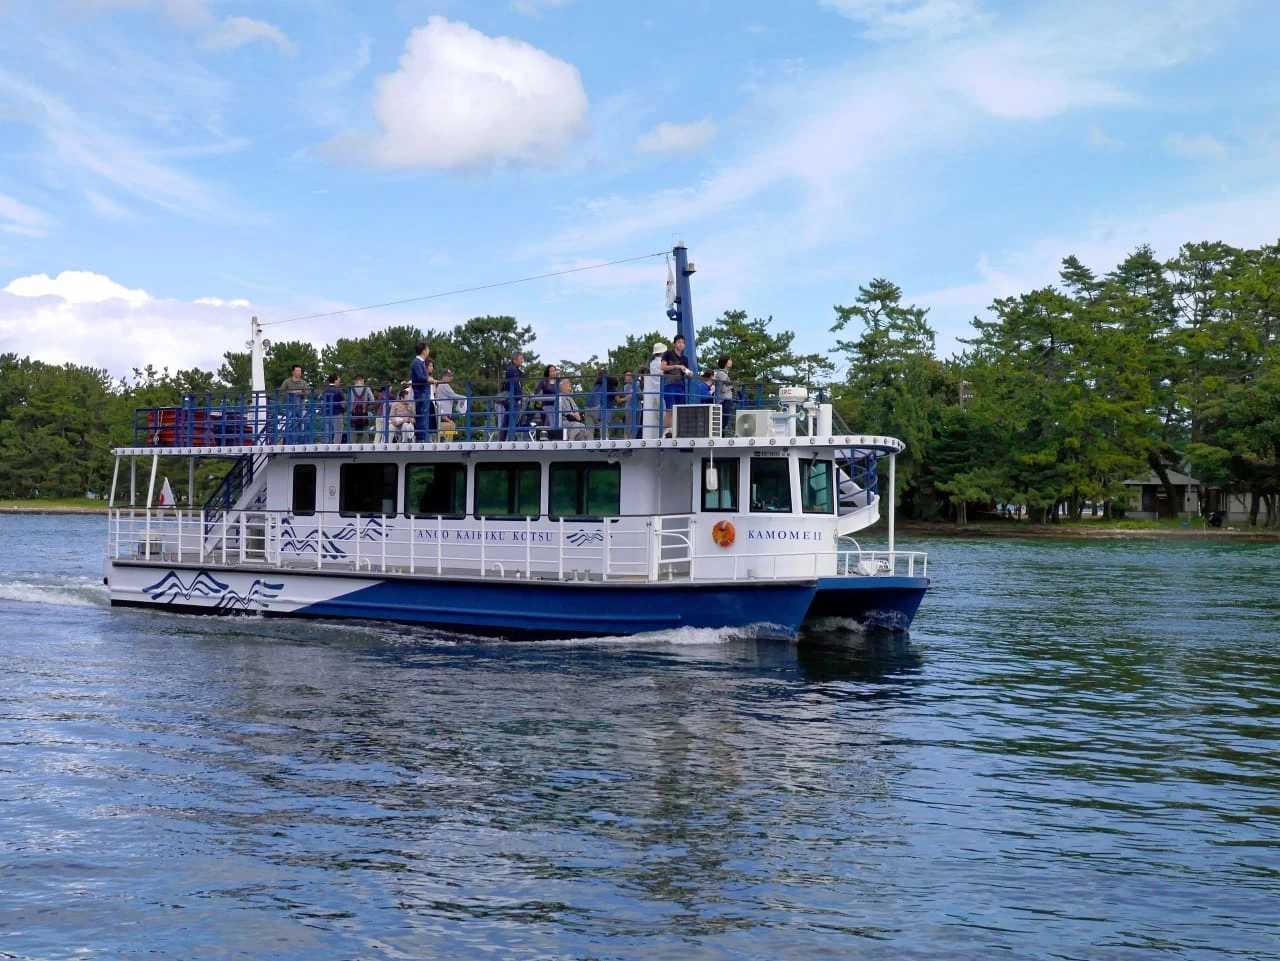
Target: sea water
[[1075, 755]]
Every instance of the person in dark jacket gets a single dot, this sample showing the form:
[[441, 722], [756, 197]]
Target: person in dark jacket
[[420, 381], [333, 405], [513, 397]]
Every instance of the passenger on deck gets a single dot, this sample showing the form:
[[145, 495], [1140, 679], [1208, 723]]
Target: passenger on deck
[[362, 406], [333, 405], [544, 395], [450, 406], [400, 422], [724, 391], [511, 406], [706, 387], [294, 390], [570, 418], [420, 381], [675, 372]]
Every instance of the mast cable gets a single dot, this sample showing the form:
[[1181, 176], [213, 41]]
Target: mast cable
[[464, 290]]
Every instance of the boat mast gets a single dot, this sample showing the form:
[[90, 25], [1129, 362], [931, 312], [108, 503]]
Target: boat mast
[[684, 305], [257, 371]]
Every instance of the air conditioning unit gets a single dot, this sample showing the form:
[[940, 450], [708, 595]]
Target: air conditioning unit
[[751, 423], [697, 420]]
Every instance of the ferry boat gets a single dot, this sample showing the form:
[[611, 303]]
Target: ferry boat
[[511, 523]]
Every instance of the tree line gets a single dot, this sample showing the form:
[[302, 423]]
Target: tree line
[[1061, 394]]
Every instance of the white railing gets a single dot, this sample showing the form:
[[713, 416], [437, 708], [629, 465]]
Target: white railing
[[620, 548], [859, 563]]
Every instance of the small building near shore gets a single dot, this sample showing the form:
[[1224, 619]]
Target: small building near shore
[[1147, 499]]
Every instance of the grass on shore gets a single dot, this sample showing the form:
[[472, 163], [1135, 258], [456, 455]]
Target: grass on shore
[[54, 503]]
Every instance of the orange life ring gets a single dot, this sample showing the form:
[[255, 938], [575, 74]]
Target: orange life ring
[[723, 533]]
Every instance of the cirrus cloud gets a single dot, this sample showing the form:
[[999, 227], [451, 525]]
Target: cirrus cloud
[[677, 138], [461, 99]]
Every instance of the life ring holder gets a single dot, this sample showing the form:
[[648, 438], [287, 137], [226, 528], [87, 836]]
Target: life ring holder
[[723, 533]]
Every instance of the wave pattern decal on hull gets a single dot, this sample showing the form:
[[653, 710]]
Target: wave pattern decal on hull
[[204, 585], [578, 538], [331, 545]]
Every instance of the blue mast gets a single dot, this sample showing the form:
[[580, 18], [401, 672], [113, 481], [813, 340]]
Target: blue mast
[[684, 309]]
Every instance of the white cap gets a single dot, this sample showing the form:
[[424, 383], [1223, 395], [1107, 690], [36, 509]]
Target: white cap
[[659, 348]]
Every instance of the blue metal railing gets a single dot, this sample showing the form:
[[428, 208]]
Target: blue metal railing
[[228, 420]]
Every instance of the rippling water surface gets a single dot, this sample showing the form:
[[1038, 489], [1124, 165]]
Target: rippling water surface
[[1075, 756]]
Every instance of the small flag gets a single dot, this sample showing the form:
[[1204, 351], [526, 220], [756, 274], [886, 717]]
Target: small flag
[[166, 494], [671, 285]]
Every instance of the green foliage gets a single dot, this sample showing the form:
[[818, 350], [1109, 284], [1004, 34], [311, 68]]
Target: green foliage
[[759, 355], [1063, 393]]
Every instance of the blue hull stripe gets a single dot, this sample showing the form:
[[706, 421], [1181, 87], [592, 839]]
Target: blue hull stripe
[[569, 610]]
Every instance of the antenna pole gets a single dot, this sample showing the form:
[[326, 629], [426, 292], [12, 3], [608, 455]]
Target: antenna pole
[[684, 304], [258, 377]]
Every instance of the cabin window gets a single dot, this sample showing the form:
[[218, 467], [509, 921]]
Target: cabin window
[[585, 490], [435, 490], [817, 487], [367, 489], [304, 489], [724, 496], [508, 490], [771, 485]]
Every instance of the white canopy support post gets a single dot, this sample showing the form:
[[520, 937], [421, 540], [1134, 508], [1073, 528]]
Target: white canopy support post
[[133, 481], [115, 479], [151, 493], [893, 478]]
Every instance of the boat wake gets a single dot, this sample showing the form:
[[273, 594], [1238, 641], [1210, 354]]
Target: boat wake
[[63, 593]]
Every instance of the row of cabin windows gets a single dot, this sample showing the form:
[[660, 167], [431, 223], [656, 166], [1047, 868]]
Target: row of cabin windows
[[576, 489], [501, 490], [770, 487]]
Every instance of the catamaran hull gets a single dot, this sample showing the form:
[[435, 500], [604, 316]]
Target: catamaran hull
[[878, 603], [504, 606]]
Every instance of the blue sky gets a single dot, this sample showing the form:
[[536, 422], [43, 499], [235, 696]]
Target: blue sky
[[168, 167]]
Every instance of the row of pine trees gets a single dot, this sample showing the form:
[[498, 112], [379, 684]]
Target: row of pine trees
[[1061, 394]]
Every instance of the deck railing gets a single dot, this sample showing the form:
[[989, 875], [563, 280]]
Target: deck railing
[[623, 548], [615, 410]]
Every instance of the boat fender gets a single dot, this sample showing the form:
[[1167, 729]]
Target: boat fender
[[723, 533]]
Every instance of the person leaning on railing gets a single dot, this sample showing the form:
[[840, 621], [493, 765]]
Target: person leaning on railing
[[295, 389]]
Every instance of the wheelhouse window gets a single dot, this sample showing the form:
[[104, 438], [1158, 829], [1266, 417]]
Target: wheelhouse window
[[508, 490], [724, 495], [817, 487], [304, 489], [771, 485], [367, 489], [435, 490], [582, 490]]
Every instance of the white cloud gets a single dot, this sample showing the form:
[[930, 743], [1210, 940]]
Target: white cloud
[[844, 133], [1197, 147], [910, 18], [1099, 140], [76, 287], [76, 144], [82, 317], [235, 32], [461, 99], [219, 302], [18, 218], [677, 138], [534, 8], [186, 13], [105, 207]]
